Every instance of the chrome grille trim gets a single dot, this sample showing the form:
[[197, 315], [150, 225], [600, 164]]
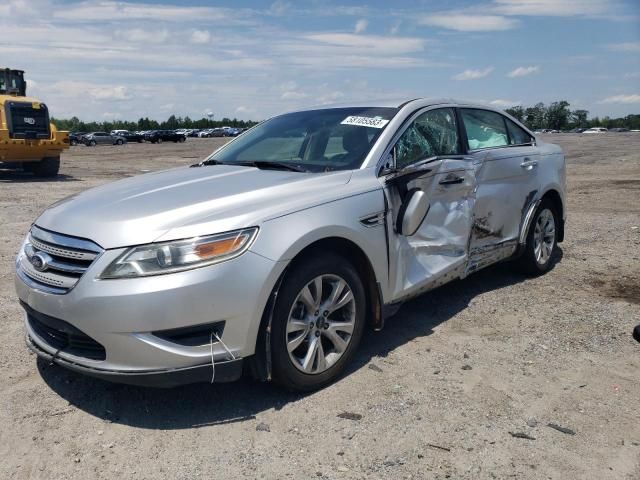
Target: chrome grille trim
[[67, 259], [61, 252]]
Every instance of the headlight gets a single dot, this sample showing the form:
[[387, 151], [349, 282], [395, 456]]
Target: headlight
[[169, 257]]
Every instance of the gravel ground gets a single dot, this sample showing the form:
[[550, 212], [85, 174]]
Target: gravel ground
[[464, 382]]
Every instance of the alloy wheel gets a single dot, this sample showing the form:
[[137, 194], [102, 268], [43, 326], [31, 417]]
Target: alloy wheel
[[320, 324], [544, 236]]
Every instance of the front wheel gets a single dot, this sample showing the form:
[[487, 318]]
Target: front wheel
[[318, 322], [542, 240], [119, 142], [159, 140]]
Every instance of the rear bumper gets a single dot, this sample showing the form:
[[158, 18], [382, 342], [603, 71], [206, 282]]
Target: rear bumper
[[31, 150], [227, 371]]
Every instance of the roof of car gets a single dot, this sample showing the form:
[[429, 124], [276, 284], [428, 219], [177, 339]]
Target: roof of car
[[401, 102]]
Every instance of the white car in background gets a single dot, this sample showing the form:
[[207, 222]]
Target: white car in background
[[596, 130]]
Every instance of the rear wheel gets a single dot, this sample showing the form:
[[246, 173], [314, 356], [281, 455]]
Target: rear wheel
[[92, 143], [318, 321], [542, 240], [47, 167], [119, 142]]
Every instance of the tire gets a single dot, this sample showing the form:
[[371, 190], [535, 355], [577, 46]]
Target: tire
[[291, 370], [119, 142], [73, 143], [47, 167], [159, 140], [542, 241], [92, 143], [181, 139]]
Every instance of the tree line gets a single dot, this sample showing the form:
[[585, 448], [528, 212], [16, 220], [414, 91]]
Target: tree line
[[559, 116], [74, 124]]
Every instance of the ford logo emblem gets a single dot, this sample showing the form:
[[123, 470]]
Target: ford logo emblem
[[29, 120], [40, 261]]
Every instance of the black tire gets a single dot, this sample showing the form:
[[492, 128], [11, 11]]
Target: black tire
[[92, 143], [159, 140], [119, 142], [529, 263], [285, 372], [47, 167]]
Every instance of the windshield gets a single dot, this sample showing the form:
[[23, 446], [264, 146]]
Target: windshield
[[314, 140]]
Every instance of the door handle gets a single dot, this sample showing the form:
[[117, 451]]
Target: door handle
[[451, 180], [529, 164]]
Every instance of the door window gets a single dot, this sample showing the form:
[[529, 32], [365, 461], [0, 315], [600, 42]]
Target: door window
[[517, 136], [431, 134], [485, 129]]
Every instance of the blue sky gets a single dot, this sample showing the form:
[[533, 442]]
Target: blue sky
[[100, 59]]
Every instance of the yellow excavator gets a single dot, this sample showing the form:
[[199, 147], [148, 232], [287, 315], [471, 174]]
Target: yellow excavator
[[27, 138]]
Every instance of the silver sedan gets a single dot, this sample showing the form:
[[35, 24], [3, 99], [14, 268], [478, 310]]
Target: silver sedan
[[276, 251]]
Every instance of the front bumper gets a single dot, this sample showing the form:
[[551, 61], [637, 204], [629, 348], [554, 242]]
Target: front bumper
[[124, 316], [227, 371]]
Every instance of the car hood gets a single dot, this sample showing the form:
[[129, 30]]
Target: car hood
[[187, 202]]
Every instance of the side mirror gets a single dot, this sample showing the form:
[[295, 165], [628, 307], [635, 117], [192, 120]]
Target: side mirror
[[413, 212]]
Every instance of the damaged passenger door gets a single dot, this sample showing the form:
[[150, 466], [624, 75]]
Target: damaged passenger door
[[430, 190], [507, 164]]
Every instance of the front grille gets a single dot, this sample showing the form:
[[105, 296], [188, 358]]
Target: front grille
[[63, 336], [24, 121], [54, 262]]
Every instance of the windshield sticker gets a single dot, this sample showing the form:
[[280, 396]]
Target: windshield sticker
[[373, 122]]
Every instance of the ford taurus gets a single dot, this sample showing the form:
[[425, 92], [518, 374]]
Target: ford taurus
[[271, 255]]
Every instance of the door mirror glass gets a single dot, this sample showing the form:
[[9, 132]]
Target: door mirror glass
[[413, 211]]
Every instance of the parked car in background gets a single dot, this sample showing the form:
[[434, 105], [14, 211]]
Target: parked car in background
[[102, 138], [129, 136], [596, 130], [76, 137], [276, 251], [159, 136], [219, 132], [619, 130], [194, 133]]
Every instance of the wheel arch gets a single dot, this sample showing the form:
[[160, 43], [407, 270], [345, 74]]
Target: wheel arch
[[260, 365], [555, 198]]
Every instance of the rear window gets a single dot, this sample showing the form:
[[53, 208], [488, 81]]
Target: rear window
[[485, 129], [517, 136]]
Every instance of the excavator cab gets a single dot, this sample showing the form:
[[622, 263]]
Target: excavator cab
[[12, 82]]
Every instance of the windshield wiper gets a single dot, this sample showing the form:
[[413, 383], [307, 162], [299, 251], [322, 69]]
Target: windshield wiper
[[266, 165], [209, 161]]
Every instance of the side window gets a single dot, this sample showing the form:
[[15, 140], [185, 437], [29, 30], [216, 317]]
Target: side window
[[485, 129], [517, 136], [433, 133]]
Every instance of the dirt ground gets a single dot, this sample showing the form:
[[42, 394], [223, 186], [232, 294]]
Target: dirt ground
[[463, 382]]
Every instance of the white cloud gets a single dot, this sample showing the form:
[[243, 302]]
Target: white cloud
[[504, 103], [624, 99], [630, 47], [376, 44], [552, 8], [139, 35], [523, 71], [293, 95], [200, 36], [93, 10], [469, 22], [473, 74], [361, 26]]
